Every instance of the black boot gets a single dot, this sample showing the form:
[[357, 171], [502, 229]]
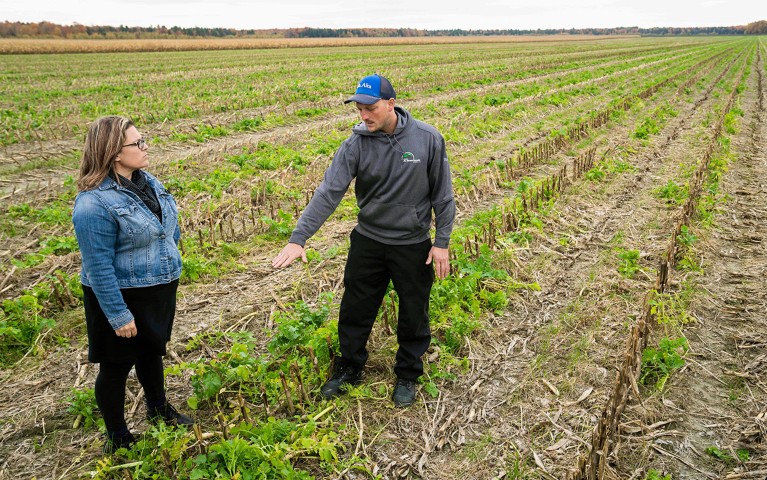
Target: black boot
[[115, 442], [342, 375], [404, 393], [167, 414]]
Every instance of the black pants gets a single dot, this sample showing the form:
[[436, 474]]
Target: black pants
[[369, 268], [110, 388]]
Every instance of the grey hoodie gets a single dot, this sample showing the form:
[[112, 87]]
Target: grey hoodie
[[396, 193]]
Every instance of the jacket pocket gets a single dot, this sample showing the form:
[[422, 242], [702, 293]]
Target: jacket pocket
[[134, 223]]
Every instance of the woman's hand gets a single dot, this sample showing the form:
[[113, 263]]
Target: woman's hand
[[128, 330]]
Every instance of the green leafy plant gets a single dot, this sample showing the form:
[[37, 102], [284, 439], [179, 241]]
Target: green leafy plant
[[686, 237], [82, 404], [231, 368], [50, 245], [457, 301], [310, 112], [21, 324], [718, 453], [596, 174], [265, 450], [282, 227], [648, 126], [619, 166], [742, 454], [299, 326], [653, 124], [689, 263], [670, 310], [196, 266], [247, 124], [671, 192], [653, 474], [629, 262], [658, 363], [241, 368], [201, 133], [162, 452], [57, 212]]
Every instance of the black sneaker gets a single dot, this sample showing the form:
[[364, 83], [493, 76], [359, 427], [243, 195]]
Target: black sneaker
[[167, 414], [342, 375], [115, 443], [404, 393]]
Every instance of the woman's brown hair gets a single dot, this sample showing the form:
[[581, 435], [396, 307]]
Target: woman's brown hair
[[103, 142]]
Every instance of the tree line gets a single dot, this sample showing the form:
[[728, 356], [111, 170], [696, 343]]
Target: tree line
[[77, 31]]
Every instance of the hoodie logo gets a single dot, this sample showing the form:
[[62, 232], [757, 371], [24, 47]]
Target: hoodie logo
[[408, 157]]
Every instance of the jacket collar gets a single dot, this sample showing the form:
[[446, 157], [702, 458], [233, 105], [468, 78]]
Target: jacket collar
[[108, 183]]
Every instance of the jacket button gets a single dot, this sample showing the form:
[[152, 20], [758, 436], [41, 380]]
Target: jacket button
[[162, 236]]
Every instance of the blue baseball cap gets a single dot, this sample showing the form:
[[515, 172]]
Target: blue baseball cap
[[372, 89]]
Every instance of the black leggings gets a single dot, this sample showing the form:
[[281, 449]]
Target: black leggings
[[110, 388]]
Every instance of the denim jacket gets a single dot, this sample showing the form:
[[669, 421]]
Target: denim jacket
[[124, 245]]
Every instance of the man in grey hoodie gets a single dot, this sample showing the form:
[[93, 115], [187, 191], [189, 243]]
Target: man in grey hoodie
[[402, 175]]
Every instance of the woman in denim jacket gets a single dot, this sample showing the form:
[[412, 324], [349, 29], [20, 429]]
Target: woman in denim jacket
[[126, 224]]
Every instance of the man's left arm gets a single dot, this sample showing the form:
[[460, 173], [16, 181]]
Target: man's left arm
[[443, 204]]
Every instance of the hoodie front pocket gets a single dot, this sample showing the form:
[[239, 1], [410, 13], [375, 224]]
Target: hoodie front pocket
[[389, 217]]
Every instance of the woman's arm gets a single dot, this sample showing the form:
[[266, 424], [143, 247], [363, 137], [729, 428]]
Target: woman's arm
[[96, 232]]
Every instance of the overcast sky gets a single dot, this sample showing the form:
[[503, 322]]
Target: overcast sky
[[424, 14]]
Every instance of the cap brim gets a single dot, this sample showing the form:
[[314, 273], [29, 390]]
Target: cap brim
[[363, 99]]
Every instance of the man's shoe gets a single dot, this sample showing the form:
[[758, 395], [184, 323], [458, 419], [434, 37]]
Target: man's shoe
[[115, 443], [404, 393], [169, 415], [342, 375]]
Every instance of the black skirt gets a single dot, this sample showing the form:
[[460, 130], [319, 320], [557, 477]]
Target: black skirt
[[153, 309]]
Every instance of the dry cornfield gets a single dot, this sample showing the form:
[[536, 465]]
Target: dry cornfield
[[605, 316]]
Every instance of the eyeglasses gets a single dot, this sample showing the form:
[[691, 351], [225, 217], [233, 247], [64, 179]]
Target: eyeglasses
[[140, 143]]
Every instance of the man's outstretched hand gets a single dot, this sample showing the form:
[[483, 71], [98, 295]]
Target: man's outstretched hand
[[291, 252]]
